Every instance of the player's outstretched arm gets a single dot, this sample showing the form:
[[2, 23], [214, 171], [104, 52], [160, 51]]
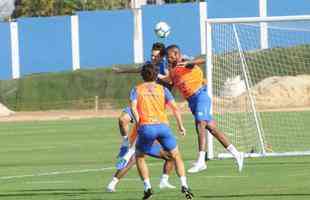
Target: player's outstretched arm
[[126, 70], [166, 78], [176, 113], [192, 63]]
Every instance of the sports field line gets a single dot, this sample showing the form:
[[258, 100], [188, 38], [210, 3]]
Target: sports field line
[[63, 172], [48, 182], [55, 173], [28, 149]]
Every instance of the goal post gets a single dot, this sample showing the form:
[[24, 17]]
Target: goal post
[[260, 96]]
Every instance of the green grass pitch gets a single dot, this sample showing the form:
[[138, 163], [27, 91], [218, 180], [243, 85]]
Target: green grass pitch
[[73, 160]]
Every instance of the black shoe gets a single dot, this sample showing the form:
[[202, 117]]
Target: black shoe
[[188, 194], [147, 194]]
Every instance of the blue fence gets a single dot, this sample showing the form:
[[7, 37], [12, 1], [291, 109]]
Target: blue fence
[[44, 44], [184, 22], [5, 52], [250, 8], [106, 37]]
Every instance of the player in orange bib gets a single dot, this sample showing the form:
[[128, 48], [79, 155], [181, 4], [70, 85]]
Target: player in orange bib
[[148, 103], [155, 151], [188, 79]]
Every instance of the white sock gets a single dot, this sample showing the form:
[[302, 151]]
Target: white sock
[[130, 152], [201, 157], [183, 181], [113, 182], [147, 184], [232, 149], [164, 177]]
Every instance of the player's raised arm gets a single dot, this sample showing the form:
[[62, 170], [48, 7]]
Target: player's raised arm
[[192, 63]]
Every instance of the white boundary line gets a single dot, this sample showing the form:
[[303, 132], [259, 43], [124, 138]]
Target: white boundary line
[[48, 182], [64, 172], [56, 173]]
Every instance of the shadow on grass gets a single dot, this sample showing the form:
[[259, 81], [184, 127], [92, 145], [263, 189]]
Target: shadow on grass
[[255, 195], [76, 194]]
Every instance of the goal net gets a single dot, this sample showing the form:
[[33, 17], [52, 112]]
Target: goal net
[[258, 71]]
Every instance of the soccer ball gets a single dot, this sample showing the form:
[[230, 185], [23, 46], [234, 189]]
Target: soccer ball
[[162, 29]]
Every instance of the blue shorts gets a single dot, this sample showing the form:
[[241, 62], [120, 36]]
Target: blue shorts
[[200, 105], [147, 134], [154, 151], [128, 111]]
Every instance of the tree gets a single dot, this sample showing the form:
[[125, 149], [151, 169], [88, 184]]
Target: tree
[[35, 8]]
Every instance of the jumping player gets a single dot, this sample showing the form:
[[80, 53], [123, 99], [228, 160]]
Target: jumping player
[[188, 80]]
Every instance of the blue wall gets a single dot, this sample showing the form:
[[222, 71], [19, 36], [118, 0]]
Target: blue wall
[[5, 51], [288, 7], [45, 44], [106, 38], [184, 22], [232, 8], [250, 8]]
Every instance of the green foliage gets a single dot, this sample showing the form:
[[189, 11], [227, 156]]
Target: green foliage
[[55, 90], [35, 8], [182, 1]]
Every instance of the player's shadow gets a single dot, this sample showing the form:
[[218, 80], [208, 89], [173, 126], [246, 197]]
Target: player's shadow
[[256, 195], [49, 192], [76, 194]]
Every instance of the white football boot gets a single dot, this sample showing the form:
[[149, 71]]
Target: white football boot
[[240, 161], [164, 184], [197, 167]]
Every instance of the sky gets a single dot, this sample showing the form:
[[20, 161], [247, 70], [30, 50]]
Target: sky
[[6, 8], [249, 8]]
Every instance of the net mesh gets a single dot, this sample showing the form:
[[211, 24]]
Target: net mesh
[[261, 97]]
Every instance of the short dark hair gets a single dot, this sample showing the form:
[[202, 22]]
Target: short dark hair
[[173, 46], [158, 46], [148, 72]]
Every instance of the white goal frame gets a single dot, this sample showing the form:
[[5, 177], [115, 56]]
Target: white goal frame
[[209, 66]]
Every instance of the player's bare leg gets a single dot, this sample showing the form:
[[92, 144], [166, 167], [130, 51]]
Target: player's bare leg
[[180, 169], [123, 123], [167, 170], [144, 175], [200, 164], [120, 174], [221, 137]]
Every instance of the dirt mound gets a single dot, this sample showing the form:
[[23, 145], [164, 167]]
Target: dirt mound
[[277, 92], [4, 111]]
